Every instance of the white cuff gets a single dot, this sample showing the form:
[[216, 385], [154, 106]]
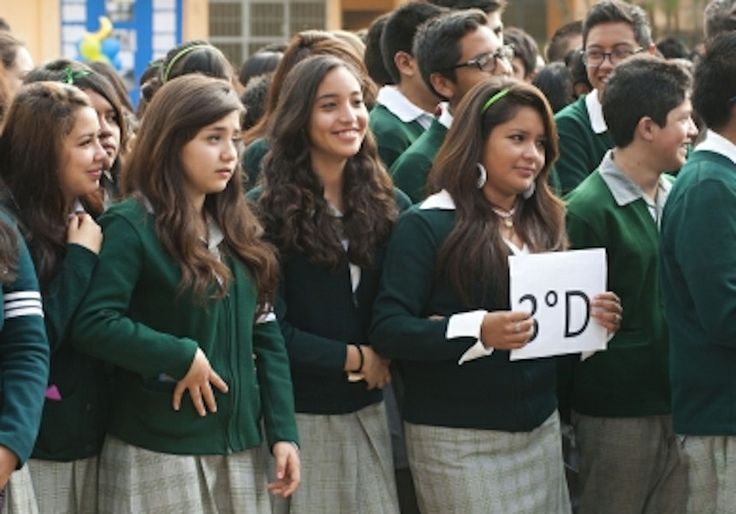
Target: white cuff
[[467, 324]]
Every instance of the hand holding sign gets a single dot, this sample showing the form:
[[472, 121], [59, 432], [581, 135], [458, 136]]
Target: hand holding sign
[[506, 330]]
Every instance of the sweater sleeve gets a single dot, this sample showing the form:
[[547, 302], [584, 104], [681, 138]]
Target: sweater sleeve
[[706, 253], [274, 379], [401, 328], [66, 291], [574, 163], [24, 360], [103, 330]]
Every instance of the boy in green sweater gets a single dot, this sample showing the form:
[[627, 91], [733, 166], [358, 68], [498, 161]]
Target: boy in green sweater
[[629, 458], [613, 30], [698, 272]]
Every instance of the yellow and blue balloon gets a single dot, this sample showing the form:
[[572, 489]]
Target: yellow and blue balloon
[[100, 46]]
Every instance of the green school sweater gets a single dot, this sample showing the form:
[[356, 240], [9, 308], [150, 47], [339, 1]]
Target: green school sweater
[[135, 317], [581, 149], [411, 169], [393, 136], [251, 161], [24, 357], [698, 266], [630, 378], [486, 393]]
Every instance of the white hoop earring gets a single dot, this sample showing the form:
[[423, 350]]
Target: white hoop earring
[[529, 191], [482, 175]]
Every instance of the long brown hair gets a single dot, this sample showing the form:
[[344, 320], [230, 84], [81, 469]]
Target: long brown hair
[[41, 116], [475, 242], [9, 249], [178, 111], [302, 45], [296, 215]]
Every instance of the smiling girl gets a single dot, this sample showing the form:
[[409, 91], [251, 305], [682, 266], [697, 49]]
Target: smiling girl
[[180, 304], [482, 432], [51, 160]]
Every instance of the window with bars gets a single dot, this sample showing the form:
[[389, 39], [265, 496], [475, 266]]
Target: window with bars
[[240, 27]]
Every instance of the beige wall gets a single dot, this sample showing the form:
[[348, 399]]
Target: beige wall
[[195, 19], [37, 23]]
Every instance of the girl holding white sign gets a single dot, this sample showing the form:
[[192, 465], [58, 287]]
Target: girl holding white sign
[[482, 432]]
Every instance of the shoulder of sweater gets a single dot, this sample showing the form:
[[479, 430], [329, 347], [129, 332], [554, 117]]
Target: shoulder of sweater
[[574, 111], [591, 194]]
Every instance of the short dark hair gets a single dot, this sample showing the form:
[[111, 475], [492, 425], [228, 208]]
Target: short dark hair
[[714, 91], [720, 16], [437, 43], [373, 57], [525, 48], [557, 46], [555, 81], [629, 97], [263, 61], [673, 48], [487, 6], [401, 27], [254, 99], [612, 11]]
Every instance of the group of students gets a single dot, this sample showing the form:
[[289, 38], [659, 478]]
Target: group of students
[[182, 345]]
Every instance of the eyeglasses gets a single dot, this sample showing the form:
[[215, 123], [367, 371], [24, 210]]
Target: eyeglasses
[[489, 61], [594, 57]]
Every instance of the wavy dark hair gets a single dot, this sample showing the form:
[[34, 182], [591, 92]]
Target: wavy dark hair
[[40, 117], [292, 203], [475, 242], [302, 45], [178, 111]]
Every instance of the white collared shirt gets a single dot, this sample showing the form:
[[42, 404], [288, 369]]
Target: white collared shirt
[[595, 112], [445, 115], [716, 143], [401, 107]]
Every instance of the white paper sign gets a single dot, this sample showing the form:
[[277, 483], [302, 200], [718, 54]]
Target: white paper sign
[[557, 289]]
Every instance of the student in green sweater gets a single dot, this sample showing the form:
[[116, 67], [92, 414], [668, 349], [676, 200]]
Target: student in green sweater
[[54, 192], [483, 433], [698, 273], [180, 305], [613, 30], [455, 51], [329, 207], [629, 458], [405, 110], [24, 357]]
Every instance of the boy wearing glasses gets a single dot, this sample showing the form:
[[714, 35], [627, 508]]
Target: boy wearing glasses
[[613, 30], [698, 263], [629, 458], [455, 51]]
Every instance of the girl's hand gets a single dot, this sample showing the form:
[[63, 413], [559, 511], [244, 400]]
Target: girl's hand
[[607, 311], [375, 369], [288, 469], [197, 381], [83, 230], [506, 330]]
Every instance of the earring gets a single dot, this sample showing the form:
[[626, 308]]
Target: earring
[[482, 175], [529, 191]]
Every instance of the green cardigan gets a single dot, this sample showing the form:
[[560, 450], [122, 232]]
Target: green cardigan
[[581, 149], [631, 377], [486, 393], [24, 357], [393, 136], [252, 159], [698, 263], [410, 171], [136, 318]]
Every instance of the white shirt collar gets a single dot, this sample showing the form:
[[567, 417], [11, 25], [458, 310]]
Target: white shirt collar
[[78, 207], [401, 107], [595, 112], [716, 143], [445, 116], [441, 200]]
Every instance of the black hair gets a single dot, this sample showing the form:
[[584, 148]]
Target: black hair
[[714, 90], [673, 48], [578, 73], [398, 34], [525, 48], [487, 6], [720, 16], [263, 61], [437, 43], [613, 11], [372, 57], [254, 99], [557, 46], [555, 81]]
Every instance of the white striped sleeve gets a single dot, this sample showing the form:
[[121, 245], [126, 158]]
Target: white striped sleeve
[[267, 316], [22, 303]]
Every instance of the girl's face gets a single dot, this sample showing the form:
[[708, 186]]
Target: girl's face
[[82, 156], [109, 124], [209, 159], [513, 155], [339, 118]]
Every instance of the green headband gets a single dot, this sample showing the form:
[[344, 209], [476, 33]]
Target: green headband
[[495, 98], [178, 56], [72, 75]]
